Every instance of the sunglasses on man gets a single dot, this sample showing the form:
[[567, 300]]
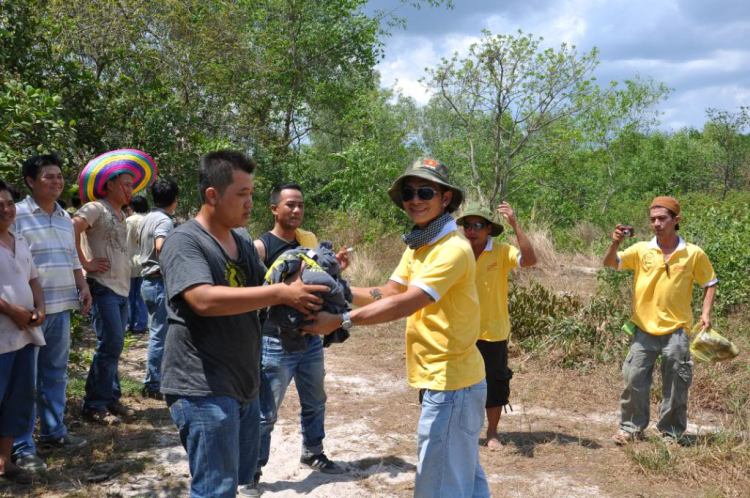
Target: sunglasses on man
[[424, 193], [477, 225]]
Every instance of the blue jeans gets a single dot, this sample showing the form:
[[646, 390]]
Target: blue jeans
[[109, 315], [308, 370], [137, 312], [51, 374], [16, 390], [448, 444], [220, 435], [156, 301]]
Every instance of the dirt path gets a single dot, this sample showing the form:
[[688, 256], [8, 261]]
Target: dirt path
[[557, 437]]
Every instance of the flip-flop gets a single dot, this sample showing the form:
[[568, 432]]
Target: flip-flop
[[17, 475]]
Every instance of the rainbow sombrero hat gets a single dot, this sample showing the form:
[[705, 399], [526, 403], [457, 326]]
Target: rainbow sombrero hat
[[93, 179]]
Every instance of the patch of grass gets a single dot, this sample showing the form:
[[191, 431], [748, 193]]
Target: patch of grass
[[364, 271], [77, 386], [651, 456]]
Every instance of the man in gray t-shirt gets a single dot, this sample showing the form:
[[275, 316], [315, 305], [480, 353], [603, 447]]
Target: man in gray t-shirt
[[211, 364], [155, 227]]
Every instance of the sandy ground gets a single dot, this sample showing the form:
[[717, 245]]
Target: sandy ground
[[557, 437]]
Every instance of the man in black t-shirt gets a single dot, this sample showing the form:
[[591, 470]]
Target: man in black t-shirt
[[211, 365], [279, 367]]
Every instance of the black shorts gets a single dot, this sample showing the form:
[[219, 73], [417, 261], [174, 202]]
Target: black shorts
[[495, 356]]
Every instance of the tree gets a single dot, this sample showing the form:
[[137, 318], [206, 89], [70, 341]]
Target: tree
[[614, 129], [724, 129], [506, 93]]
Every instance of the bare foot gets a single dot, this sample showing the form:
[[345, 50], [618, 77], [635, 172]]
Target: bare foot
[[494, 444]]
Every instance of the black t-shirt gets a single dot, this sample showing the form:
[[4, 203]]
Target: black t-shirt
[[217, 355], [275, 247]]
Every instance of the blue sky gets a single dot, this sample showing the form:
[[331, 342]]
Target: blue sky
[[699, 48]]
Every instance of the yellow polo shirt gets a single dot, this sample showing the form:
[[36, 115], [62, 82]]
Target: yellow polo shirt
[[662, 291], [306, 239], [441, 352], [493, 266]]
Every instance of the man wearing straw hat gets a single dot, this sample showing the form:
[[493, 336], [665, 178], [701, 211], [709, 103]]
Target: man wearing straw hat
[[434, 286], [494, 261], [108, 182], [665, 269]]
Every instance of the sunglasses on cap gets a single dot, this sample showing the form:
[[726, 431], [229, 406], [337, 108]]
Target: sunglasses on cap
[[477, 225], [424, 193]]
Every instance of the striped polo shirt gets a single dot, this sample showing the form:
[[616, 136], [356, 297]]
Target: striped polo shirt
[[52, 244]]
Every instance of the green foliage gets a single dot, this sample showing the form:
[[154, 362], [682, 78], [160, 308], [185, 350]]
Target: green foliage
[[581, 332], [721, 230], [30, 123]]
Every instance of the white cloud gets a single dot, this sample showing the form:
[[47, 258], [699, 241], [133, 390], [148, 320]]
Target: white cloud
[[702, 55]]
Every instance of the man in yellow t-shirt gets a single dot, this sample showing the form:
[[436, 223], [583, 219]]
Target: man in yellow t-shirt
[[434, 286], [494, 261], [665, 270]]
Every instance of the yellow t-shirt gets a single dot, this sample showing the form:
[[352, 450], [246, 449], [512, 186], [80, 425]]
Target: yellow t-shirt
[[662, 291], [306, 239], [441, 352], [493, 266]]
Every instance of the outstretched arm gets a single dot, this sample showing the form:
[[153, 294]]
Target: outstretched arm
[[368, 295], [385, 310]]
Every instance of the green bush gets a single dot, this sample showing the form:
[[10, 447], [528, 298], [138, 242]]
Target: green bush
[[582, 332], [720, 228]]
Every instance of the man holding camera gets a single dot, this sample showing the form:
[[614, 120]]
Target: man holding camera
[[665, 269]]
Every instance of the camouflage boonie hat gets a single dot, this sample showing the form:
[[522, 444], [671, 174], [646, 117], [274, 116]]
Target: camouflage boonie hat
[[429, 169], [476, 209]]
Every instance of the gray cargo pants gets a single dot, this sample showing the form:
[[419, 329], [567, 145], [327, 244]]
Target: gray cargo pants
[[676, 373]]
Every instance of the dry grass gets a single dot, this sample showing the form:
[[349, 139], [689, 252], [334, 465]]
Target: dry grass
[[588, 233], [372, 265]]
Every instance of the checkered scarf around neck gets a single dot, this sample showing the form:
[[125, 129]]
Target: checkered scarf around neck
[[419, 237]]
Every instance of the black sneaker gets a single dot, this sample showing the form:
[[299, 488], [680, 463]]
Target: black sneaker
[[151, 394], [252, 489], [66, 442], [31, 463], [320, 462]]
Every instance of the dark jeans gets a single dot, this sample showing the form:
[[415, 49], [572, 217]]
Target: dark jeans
[[109, 315], [137, 312], [221, 437], [156, 300], [307, 368], [16, 390]]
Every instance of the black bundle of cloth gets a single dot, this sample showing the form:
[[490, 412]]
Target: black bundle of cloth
[[321, 268]]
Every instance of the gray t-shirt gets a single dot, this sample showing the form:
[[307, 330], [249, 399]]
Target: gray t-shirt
[[156, 224], [209, 356]]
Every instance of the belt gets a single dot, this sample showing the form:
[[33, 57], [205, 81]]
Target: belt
[[153, 276]]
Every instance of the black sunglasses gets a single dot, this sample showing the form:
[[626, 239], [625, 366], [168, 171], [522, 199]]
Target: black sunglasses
[[477, 225], [424, 193]]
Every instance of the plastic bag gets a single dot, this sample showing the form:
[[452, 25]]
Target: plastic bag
[[710, 346]]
